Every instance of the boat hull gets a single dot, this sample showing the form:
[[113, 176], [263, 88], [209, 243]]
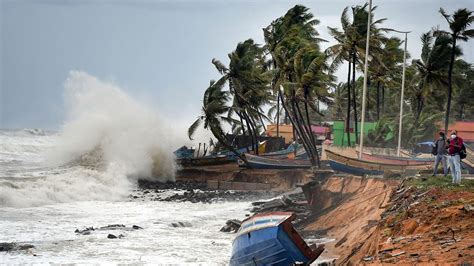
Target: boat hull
[[269, 239], [258, 162], [362, 167]]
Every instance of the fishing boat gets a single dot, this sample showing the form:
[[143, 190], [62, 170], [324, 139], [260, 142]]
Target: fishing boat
[[259, 162], [206, 160], [365, 167], [270, 239], [396, 160]]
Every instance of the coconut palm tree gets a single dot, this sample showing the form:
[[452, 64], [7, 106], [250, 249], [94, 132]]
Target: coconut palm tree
[[350, 47], [463, 81], [459, 23], [431, 69], [385, 68], [213, 113], [285, 38], [248, 83]]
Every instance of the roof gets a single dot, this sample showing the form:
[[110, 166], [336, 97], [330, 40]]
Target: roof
[[320, 129], [465, 129]]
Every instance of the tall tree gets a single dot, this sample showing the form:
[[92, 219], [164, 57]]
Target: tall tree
[[431, 69], [248, 84], [459, 23], [213, 113], [350, 46], [286, 38]]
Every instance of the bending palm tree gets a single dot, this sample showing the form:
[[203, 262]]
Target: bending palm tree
[[459, 24], [214, 111]]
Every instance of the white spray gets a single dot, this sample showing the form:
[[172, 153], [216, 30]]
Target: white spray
[[132, 140]]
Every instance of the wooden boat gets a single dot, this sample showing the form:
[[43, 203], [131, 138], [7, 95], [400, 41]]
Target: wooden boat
[[259, 162], [207, 160], [397, 160], [365, 167], [270, 239]]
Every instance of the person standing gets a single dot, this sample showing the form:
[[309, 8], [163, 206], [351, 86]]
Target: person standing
[[454, 148], [440, 148]]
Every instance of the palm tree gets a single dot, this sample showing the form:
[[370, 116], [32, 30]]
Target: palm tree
[[459, 24], [351, 47], [385, 68], [213, 113], [431, 69], [286, 39], [464, 83], [248, 83]]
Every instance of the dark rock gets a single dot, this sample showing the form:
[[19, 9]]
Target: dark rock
[[110, 236], [136, 227], [231, 226], [112, 227], [181, 224], [14, 246]]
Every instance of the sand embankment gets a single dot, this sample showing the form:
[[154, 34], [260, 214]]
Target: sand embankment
[[346, 209]]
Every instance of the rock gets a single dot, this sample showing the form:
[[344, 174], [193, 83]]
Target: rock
[[181, 224], [231, 226], [410, 226], [110, 236], [112, 227], [468, 207], [136, 227], [7, 246], [86, 231], [367, 258], [14, 246]]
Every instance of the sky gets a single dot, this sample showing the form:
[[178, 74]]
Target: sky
[[159, 52]]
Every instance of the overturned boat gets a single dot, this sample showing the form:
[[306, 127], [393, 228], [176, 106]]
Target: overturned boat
[[270, 239]]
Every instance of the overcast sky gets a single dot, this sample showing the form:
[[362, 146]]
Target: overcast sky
[[159, 51]]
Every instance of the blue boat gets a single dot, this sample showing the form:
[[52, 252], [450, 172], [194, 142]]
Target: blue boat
[[270, 239], [260, 162]]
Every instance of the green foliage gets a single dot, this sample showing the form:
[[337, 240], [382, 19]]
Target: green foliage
[[291, 77]]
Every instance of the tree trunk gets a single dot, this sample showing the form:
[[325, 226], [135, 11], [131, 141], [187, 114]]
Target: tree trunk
[[348, 116], [378, 100], [311, 132], [306, 129], [450, 87], [255, 132], [354, 95], [383, 99], [199, 149], [263, 124], [278, 114], [292, 121], [243, 129], [221, 139], [303, 133], [249, 129], [461, 109]]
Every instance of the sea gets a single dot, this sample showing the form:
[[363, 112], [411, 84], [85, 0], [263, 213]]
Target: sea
[[43, 205], [82, 174]]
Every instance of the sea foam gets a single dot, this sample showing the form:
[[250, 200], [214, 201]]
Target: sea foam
[[107, 142]]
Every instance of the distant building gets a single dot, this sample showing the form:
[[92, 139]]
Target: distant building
[[339, 131], [286, 131], [465, 130]]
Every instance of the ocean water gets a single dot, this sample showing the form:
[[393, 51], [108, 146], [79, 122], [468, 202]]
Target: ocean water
[[42, 204]]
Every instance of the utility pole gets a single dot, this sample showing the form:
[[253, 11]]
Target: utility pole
[[364, 90], [403, 90]]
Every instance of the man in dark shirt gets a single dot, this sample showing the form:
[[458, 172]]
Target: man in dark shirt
[[440, 145], [454, 148]]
